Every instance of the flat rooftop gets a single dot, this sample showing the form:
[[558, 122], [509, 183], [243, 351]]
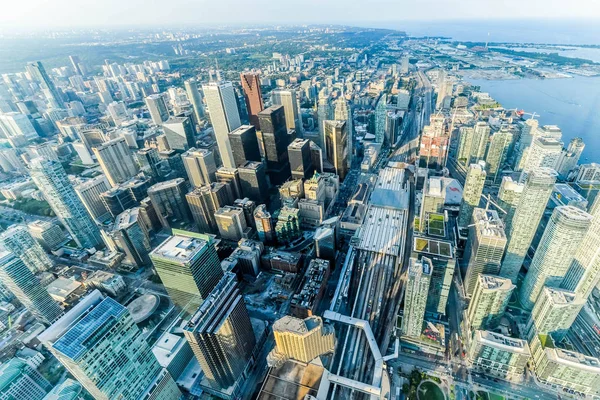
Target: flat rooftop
[[179, 248], [291, 381], [499, 341], [383, 230], [435, 247]]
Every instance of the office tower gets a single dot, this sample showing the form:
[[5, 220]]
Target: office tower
[[200, 166], [472, 143], [117, 199], [444, 90], [188, 267], [508, 198], [180, 133], [131, 237], [316, 156], [529, 130], [485, 247], [253, 96], [224, 116], [21, 243], [38, 73], [554, 312], [253, 181], [544, 152], [221, 334], [393, 126], [563, 234], [168, 199], [248, 206], [336, 146], [380, 115], [264, 224], [473, 189], [497, 153], [324, 113], [343, 112], [20, 381], [52, 180], [231, 222], [17, 128], [231, 176], [275, 141], [244, 145], [148, 160], [415, 296], [570, 157], [48, 234], [195, 97], [488, 303], [287, 98], [301, 339], [526, 219], [498, 355], [17, 278], [204, 203], [300, 158], [116, 161], [89, 192], [287, 227], [75, 62], [157, 106], [100, 345], [584, 270], [325, 242]]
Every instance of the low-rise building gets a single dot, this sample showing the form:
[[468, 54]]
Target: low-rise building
[[306, 300]]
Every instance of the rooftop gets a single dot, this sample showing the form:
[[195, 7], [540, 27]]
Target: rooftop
[[502, 342], [127, 218], [143, 307], [179, 248], [432, 246], [492, 282], [296, 325]]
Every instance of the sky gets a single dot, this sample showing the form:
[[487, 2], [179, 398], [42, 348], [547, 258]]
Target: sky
[[35, 14]]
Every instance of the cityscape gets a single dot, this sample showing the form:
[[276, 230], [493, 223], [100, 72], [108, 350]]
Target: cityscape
[[295, 212]]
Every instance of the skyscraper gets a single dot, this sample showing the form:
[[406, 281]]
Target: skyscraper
[[38, 72], [194, 96], [485, 247], [157, 106], [204, 203], [275, 141], [497, 153], [48, 234], [168, 199], [302, 340], [508, 198], [264, 224], [100, 345], [27, 289], [221, 334], [52, 180], [19, 241], [472, 193], [131, 237], [200, 166], [224, 116], [336, 146], [544, 152], [380, 116], [472, 143], [180, 133], [490, 298], [231, 176], [252, 95], [415, 297], [116, 161], [287, 98], [89, 192], [231, 222], [300, 158], [570, 157], [253, 181], [554, 312], [244, 145], [528, 214], [563, 234]]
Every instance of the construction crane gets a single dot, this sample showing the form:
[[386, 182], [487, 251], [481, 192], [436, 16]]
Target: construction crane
[[489, 200], [522, 112]]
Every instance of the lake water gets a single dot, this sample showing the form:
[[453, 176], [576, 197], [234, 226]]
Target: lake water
[[573, 104]]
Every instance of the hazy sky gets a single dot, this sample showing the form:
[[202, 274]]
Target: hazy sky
[[77, 13]]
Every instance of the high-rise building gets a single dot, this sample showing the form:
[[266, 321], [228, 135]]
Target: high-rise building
[[570, 157], [116, 161], [485, 247], [195, 97], [131, 237], [21, 243], [275, 142], [472, 143], [301, 339], [180, 133], [563, 234], [253, 95], [264, 224], [168, 199], [27, 288], [544, 152], [490, 298], [200, 166], [336, 146], [554, 312], [157, 106], [52, 180], [48, 234], [231, 176], [380, 116], [221, 335], [499, 355], [473, 189], [38, 73], [508, 198], [529, 130], [316, 156], [300, 158], [288, 223], [17, 127], [204, 203], [231, 222], [497, 153], [244, 145], [117, 199], [253, 181], [343, 112], [415, 297], [116, 364], [188, 267], [287, 98], [224, 116], [89, 192], [21, 381], [528, 214]]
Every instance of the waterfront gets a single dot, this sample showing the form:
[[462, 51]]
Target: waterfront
[[573, 104]]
